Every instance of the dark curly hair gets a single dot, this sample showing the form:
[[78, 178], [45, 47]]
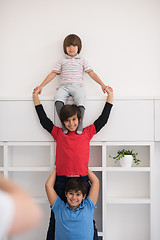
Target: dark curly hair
[[75, 184]]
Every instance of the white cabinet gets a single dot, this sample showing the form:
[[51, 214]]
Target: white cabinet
[[29, 165], [1, 156], [19, 122], [131, 120], [126, 192], [125, 201], [128, 221], [157, 120]]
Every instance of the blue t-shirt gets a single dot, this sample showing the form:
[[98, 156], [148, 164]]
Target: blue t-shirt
[[74, 224]]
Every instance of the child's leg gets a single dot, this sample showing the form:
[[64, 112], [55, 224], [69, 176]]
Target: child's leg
[[51, 228], [60, 98], [95, 237], [80, 126], [78, 95], [59, 105]]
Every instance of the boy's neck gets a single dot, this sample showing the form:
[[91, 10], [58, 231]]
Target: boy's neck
[[69, 56], [72, 131], [74, 208]]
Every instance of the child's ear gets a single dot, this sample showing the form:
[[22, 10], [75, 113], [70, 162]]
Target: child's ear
[[84, 196]]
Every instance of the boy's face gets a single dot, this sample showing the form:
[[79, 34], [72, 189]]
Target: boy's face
[[72, 50], [72, 123], [74, 199]]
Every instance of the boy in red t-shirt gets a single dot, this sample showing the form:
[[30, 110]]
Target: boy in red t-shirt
[[72, 149]]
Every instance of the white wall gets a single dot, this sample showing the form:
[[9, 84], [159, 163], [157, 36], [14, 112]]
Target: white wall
[[120, 40]]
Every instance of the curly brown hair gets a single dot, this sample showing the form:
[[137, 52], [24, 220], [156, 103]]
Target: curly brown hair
[[76, 184]]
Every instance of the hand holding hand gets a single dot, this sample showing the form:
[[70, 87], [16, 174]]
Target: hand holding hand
[[35, 96], [36, 90], [109, 91], [40, 88], [103, 86]]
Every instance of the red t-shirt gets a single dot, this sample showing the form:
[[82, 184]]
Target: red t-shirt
[[72, 151]]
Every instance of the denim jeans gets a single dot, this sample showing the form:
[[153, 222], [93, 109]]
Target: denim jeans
[[60, 190]]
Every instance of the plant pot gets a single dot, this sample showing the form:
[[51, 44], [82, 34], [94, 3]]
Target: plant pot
[[126, 161]]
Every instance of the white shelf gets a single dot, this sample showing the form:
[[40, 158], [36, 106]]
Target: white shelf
[[27, 157], [132, 169], [51, 98], [31, 162], [97, 169], [100, 234], [128, 201], [131, 221], [29, 169]]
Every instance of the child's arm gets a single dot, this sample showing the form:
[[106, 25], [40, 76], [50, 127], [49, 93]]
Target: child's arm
[[109, 91], [44, 120], [103, 118], [36, 100], [51, 194], [94, 76], [27, 214], [94, 190], [47, 80]]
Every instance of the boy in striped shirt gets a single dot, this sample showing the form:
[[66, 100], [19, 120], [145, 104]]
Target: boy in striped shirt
[[71, 68]]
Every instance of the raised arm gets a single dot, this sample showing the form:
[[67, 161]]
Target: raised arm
[[36, 100], [95, 77], [109, 91], [94, 190], [27, 213], [47, 80], [44, 120], [103, 118], [51, 194]]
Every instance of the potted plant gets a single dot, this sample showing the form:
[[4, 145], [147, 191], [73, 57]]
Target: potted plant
[[126, 157]]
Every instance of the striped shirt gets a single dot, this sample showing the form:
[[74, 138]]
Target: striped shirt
[[72, 69]]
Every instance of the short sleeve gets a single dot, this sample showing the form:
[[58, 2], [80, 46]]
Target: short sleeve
[[55, 132], [7, 211], [58, 67], [57, 205], [91, 131], [86, 66], [90, 204]]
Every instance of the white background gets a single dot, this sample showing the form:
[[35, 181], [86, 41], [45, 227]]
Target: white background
[[120, 40]]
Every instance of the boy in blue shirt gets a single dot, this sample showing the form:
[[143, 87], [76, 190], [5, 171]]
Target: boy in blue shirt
[[74, 219]]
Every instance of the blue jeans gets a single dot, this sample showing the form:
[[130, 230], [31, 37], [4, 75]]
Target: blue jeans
[[60, 190]]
